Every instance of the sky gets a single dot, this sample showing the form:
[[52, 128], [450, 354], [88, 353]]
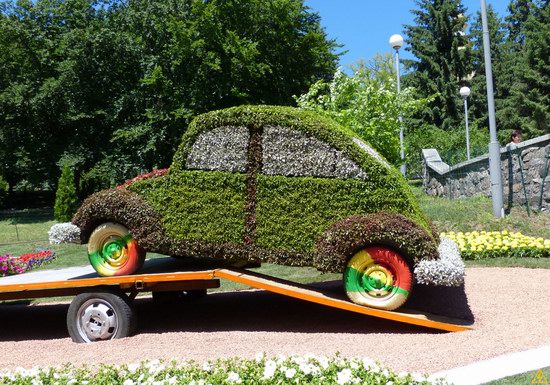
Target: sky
[[365, 26]]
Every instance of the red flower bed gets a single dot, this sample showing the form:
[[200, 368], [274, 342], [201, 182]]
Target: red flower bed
[[10, 265]]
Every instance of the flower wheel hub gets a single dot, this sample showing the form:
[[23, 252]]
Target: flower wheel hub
[[114, 252], [377, 280]]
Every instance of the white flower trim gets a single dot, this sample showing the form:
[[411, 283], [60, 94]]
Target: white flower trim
[[448, 270], [64, 233], [223, 148], [290, 152]]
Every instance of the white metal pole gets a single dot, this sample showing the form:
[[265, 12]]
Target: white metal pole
[[494, 147], [403, 167], [467, 129]]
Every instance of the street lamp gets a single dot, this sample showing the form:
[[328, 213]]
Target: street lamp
[[396, 42], [494, 147], [465, 92]]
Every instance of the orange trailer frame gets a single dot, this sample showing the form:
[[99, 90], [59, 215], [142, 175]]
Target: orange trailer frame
[[67, 282]]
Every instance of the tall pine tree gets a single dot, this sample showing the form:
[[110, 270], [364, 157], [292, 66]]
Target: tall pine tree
[[531, 92], [439, 42], [507, 109]]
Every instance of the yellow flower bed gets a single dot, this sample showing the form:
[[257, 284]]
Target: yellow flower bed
[[493, 244]]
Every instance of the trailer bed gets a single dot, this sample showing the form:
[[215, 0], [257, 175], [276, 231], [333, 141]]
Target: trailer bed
[[166, 274]]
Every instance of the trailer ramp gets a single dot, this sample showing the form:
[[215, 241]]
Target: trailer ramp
[[310, 294]]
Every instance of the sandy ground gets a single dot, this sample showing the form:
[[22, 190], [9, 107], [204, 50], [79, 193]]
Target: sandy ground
[[511, 307]]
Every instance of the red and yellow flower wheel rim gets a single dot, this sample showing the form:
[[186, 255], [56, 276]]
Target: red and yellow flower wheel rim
[[112, 251], [378, 277]]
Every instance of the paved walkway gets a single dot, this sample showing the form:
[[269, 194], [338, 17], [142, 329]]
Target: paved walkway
[[498, 367]]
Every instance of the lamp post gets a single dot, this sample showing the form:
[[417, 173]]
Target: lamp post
[[465, 92], [494, 146], [396, 42]]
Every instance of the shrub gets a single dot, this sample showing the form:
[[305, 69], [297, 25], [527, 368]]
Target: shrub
[[63, 233], [66, 201], [4, 187]]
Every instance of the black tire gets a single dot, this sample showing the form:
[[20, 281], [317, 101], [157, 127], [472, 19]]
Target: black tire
[[100, 316]]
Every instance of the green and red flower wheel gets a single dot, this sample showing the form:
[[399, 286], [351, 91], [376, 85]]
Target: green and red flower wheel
[[112, 251], [378, 277]]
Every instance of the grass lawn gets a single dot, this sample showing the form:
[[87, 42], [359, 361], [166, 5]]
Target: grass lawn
[[524, 378]]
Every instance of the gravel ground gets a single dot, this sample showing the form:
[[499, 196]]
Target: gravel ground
[[511, 308]]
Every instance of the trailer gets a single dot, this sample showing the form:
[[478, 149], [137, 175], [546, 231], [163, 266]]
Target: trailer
[[101, 308]]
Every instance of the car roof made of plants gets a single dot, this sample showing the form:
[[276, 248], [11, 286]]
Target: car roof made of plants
[[307, 122]]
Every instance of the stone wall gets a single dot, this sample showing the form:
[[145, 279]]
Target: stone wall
[[472, 177]]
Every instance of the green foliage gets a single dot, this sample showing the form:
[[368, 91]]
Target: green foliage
[[367, 103], [120, 80], [4, 188], [208, 206], [293, 213], [531, 92], [439, 42], [126, 208], [66, 201], [275, 219], [451, 145], [308, 122]]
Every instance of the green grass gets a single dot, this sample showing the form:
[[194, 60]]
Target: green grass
[[528, 262], [476, 213], [25, 225], [524, 378]]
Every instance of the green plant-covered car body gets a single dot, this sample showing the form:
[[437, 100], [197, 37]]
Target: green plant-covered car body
[[269, 184]]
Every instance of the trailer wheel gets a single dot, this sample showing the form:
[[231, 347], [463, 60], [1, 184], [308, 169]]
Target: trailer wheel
[[113, 251], [378, 277], [100, 316]]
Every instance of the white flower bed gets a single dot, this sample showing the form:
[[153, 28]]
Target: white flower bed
[[307, 369], [64, 233], [448, 270]]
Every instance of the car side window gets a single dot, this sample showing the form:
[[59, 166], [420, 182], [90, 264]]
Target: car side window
[[289, 152], [221, 149]]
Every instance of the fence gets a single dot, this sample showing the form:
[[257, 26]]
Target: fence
[[524, 170], [25, 226]]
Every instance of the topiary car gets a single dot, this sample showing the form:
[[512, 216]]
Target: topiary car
[[270, 184]]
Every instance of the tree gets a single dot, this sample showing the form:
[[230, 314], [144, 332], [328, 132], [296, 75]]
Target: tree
[[439, 42], [515, 21], [66, 201], [113, 84], [531, 92], [367, 103]]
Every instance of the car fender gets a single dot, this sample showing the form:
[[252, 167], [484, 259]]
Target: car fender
[[346, 237]]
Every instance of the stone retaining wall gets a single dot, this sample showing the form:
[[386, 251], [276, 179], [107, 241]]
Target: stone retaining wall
[[472, 177]]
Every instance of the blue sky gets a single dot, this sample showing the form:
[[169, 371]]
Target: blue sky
[[365, 26]]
